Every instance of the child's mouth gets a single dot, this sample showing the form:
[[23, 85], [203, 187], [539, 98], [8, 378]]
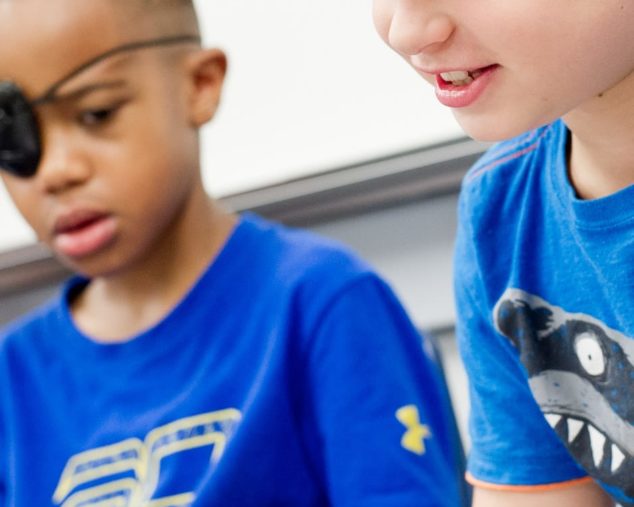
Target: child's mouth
[[461, 88], [463, 77], [83, 233]]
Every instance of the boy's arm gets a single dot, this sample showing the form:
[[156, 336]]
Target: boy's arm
[[588, 494], [376, 417], [3, 473]]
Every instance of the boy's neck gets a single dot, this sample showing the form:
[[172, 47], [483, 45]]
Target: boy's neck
[[602, 151], [118, 307]]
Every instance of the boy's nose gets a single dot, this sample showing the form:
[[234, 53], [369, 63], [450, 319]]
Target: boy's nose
[[418, 26], [62, 166]]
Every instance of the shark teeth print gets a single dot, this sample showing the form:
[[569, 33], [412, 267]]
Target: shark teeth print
[[597, 439], [574, 427], [617, 458], [553, 419]]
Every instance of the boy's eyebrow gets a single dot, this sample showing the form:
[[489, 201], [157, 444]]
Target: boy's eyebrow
[[80, 92]]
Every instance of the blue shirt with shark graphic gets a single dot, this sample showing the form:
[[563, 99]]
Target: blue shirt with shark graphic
[[545, 299], [288, 376]]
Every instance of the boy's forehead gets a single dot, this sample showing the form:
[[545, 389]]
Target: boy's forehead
[[43, 40]]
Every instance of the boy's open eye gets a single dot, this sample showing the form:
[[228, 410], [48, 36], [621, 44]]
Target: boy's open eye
[[96, 117], [99, 116]]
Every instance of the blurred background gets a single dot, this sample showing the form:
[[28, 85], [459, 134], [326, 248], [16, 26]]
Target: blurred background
[[322, 127]]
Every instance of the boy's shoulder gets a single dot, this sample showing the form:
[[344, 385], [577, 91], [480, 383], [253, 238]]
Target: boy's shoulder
[[292, 268], [293, 255], [515, 158], [34, 326], [528, 164]]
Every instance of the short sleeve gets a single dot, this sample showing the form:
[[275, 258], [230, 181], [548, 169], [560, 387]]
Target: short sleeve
[[381, 418], [512, 444], [3, 478], [4, 455]]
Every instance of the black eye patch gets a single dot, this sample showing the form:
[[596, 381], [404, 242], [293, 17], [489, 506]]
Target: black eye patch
[[19, 133], [20, 141]]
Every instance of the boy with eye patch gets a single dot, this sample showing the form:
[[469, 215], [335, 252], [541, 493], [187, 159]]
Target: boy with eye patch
[[544, 262], [198, 358]]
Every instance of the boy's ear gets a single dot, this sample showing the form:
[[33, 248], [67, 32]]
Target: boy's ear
[[206, 70]]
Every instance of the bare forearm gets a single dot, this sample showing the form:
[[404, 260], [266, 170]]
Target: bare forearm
[[588, 494]]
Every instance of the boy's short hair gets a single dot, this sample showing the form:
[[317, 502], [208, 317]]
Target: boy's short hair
[[179, 4], [169, 14]]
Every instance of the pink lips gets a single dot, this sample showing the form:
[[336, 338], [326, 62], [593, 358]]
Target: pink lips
[[451, 95], [83, 232]]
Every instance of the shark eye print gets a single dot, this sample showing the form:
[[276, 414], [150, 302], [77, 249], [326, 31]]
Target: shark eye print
[[590, 354]]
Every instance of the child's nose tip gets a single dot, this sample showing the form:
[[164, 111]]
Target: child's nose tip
[[59, 171], [412, 33]]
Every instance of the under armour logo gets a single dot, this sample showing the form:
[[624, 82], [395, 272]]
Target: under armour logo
[[414, 438]]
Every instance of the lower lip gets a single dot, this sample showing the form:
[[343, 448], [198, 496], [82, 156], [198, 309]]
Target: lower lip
[[464, 96], [86, 240]]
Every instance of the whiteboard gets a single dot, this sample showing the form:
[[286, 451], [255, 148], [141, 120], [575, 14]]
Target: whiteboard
[[310, 88]]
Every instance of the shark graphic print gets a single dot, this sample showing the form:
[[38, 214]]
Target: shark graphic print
[[581, 373]]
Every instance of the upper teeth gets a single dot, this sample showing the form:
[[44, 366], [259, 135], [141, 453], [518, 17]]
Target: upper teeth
[[456, 75], [597, 440]]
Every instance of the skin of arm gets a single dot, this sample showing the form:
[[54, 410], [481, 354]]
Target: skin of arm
[[588, 494]]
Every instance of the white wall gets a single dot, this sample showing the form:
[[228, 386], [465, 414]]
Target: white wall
[[310, 88]]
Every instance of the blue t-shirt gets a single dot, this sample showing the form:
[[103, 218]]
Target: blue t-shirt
[[289, 375], [545, 298]]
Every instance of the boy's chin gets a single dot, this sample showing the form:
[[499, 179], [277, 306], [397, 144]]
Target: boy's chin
[[90, 266], [491, 129]]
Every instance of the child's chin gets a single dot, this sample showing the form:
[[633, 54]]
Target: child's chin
[[490, 132]]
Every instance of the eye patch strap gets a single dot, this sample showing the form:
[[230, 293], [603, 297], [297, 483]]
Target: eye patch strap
[[20, 145], [49, 95]]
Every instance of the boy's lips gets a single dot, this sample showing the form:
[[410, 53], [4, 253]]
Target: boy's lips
[[461, 88], [83, 232]]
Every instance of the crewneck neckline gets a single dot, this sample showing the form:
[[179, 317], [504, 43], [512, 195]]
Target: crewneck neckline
[[169, 330], [612, 211]]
